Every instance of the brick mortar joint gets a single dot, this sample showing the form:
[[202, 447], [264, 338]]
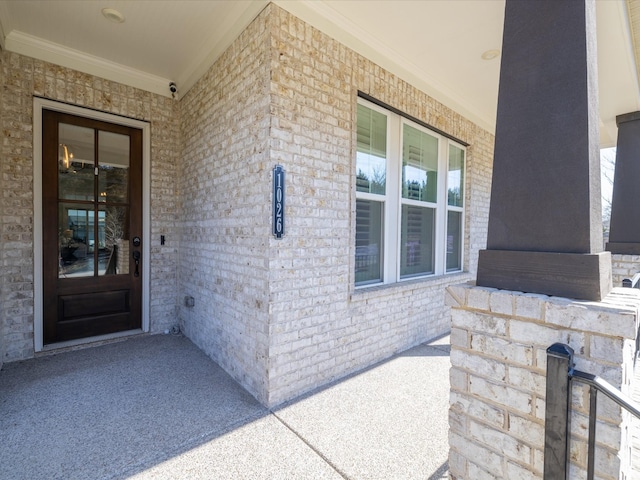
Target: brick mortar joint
[[536, 347], [506, 459], [502, 361], [491, 402], [535, 321]]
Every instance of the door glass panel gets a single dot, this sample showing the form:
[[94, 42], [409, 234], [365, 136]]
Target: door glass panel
[[75, 240], [113, 241], [75, 162], [113, 167], [419, 165]]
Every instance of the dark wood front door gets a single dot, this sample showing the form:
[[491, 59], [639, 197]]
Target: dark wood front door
[[92, 227]]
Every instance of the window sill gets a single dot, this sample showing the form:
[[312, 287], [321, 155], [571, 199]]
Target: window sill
[[367, 291]]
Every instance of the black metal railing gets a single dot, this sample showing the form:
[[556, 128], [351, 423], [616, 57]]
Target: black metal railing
[[632, 282], [560, 375]]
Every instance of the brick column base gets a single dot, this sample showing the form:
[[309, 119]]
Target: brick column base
[[498, 379]]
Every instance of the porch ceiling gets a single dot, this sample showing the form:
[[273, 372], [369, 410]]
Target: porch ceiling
[[435, 45]]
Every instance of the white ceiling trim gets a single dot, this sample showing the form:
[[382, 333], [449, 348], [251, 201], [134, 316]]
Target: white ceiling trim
[[35, 47], [5, 21], [329, 21], [234, 24], [617, 73], [631, 15], [212, 48], [617, 94], [318, 14]]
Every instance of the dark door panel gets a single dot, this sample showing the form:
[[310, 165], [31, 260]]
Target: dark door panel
[[92, 211]]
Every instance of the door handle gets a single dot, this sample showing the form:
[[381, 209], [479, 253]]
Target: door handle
[[136, 258]]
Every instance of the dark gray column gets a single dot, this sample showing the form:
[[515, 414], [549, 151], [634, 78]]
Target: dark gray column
[[545, 224], [624, 231]]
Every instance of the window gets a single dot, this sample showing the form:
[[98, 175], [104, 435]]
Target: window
[[409, 199]]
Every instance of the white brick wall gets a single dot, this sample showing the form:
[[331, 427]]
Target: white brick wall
[[3, 278], [624, 266], [498, 379], [282, 316], [321, 327], [16, 296], [23, 78], [224, 188]]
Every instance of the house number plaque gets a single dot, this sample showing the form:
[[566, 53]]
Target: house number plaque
[[278, 201]]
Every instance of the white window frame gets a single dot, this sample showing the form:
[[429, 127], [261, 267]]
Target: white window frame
[[454, 208], [393, 201]]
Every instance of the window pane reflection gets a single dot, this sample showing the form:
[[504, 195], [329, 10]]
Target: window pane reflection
[[416, 255], [454, 241], [419, 165], [113, 167], [113, 241], [371, 157], [369, 226], [455, 178], [75, 240], [75, 162]]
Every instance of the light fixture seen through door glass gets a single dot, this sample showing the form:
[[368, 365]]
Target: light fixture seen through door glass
[[65, 155]]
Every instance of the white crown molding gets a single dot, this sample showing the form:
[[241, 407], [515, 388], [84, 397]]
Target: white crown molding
[[320, 15], [35, 47], [5, 23], [219, 40], [631, 32], [617, 69]]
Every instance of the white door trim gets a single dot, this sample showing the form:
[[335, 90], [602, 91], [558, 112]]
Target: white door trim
[[38, 105]]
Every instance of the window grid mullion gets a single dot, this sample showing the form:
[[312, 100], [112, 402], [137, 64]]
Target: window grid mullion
[[441, 212], [392, 233]]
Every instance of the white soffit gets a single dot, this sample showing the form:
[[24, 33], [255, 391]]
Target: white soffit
[[435, 45], [4, 27], [459, 78], [157, 43], [51, 52], [617, 73], [422, 44], [222, 34]]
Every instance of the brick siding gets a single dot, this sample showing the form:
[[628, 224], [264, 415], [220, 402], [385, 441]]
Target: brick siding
[[24, 78], [498, 379], [224, 193], [3, 278], [623, 267], [282, 316]]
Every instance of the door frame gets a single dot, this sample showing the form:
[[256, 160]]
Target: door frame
[[38, 328]]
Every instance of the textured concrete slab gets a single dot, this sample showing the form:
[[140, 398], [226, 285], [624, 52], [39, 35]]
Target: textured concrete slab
[[157, 407], [111, 411], [387, 422], [262, 449]]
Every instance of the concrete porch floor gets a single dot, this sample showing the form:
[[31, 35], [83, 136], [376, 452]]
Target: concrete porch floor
[[157, 407]]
